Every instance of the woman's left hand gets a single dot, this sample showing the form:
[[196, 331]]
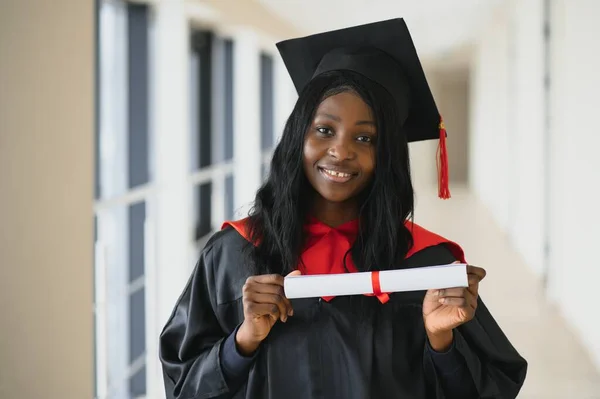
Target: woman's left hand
[[446, 309]]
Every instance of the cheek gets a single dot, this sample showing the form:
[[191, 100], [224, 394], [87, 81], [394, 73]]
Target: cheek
[[368, 162], [306, 154], [311, 152]]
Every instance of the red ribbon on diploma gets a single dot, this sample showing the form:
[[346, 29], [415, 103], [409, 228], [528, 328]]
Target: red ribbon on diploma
[[383, 298]]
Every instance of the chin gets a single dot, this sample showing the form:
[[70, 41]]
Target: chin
[[334, 197]]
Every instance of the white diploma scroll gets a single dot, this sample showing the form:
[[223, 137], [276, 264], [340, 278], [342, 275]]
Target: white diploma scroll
[[423, 278]]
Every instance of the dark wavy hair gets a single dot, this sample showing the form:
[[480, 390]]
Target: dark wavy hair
[[281, 205]]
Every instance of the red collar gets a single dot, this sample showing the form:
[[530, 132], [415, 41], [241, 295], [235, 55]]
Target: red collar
[[326, 250]]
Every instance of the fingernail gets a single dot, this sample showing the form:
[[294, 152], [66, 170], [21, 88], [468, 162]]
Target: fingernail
[[291, 312], [436, 292], [442, 300]]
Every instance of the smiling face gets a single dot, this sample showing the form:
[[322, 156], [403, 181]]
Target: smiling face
[[339, 148]]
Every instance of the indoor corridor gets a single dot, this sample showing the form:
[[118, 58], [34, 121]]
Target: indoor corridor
[[559, 367]]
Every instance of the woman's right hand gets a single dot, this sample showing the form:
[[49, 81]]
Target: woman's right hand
[[264, 303]]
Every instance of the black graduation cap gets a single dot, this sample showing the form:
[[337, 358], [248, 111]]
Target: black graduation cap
[[385, 53]]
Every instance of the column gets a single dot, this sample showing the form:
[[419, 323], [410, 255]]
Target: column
[[170, 214], [246, 104]]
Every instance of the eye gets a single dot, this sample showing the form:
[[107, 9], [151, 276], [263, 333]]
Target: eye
[[365, 139], [325, 131]]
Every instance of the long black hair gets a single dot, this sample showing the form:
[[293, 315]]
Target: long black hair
[[281, 205]]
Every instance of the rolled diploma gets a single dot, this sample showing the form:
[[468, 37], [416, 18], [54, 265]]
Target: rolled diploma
[[423, 278]]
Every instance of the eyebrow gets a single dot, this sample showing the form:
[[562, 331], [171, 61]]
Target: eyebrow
[[338, 119]]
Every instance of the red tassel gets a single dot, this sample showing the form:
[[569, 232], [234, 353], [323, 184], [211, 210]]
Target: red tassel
[[442, 164]]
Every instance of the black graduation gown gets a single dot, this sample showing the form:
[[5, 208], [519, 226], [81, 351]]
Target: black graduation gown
[[327, 349]]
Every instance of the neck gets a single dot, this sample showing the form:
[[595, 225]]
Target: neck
[[334, 214]]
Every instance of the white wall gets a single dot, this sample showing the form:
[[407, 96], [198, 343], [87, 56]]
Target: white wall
[[489, 102], [526, 134], [46, 189], [508, 159], [508, 141], [575, 162]]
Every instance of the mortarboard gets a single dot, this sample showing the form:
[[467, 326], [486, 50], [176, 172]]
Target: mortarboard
[[385, 53]]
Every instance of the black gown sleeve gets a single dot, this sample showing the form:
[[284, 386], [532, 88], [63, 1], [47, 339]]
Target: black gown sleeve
[[192, 339], [453, 372], [497, 369], [494, 367], [235, 365]]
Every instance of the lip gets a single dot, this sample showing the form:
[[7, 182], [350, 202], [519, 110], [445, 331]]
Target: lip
[[336, 179]]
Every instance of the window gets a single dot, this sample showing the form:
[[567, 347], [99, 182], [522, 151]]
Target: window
[[212, 91], [228, 101], [133, 216], [266, 111], [137, 308], [137, 65], [201, 126], [123, 186]]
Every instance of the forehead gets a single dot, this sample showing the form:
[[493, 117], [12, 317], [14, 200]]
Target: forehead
[[347, 105]]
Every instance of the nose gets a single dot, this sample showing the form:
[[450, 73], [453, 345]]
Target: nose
[[341, 150]]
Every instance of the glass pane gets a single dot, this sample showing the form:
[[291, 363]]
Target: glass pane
[[137, 216], [202, 86], [112, 281], [229, 210], [204, 209], [194, 103], [137, 49], [137, 326], [112, 124], [266, 101], [228, 99], [137, 384], [265, 170]]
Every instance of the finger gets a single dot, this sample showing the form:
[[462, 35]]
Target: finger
[[473, 279], [454, 301], [478, 271], [280, 301], [295, 273], [432, 295], [473, 284], [470, 299], [457, 291], [255, 287], [263, 288], [264, 309], [275, 279]]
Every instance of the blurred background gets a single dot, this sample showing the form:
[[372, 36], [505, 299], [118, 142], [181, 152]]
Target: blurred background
[[130, 130]]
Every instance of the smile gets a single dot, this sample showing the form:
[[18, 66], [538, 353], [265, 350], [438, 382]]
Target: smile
[[336, 176]]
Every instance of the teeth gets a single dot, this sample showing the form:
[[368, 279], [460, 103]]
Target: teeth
[[336, 174]]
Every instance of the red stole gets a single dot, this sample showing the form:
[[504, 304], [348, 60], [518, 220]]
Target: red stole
[[326, 247]]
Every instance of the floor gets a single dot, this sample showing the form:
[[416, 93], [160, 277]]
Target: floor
[[559, 367]]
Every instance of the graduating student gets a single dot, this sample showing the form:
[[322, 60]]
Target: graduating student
[[338, 199]]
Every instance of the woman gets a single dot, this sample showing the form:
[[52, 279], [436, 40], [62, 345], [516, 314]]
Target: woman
[[338, 199]]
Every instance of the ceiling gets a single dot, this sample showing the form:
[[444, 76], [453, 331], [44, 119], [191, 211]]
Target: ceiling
[[440, 28]]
